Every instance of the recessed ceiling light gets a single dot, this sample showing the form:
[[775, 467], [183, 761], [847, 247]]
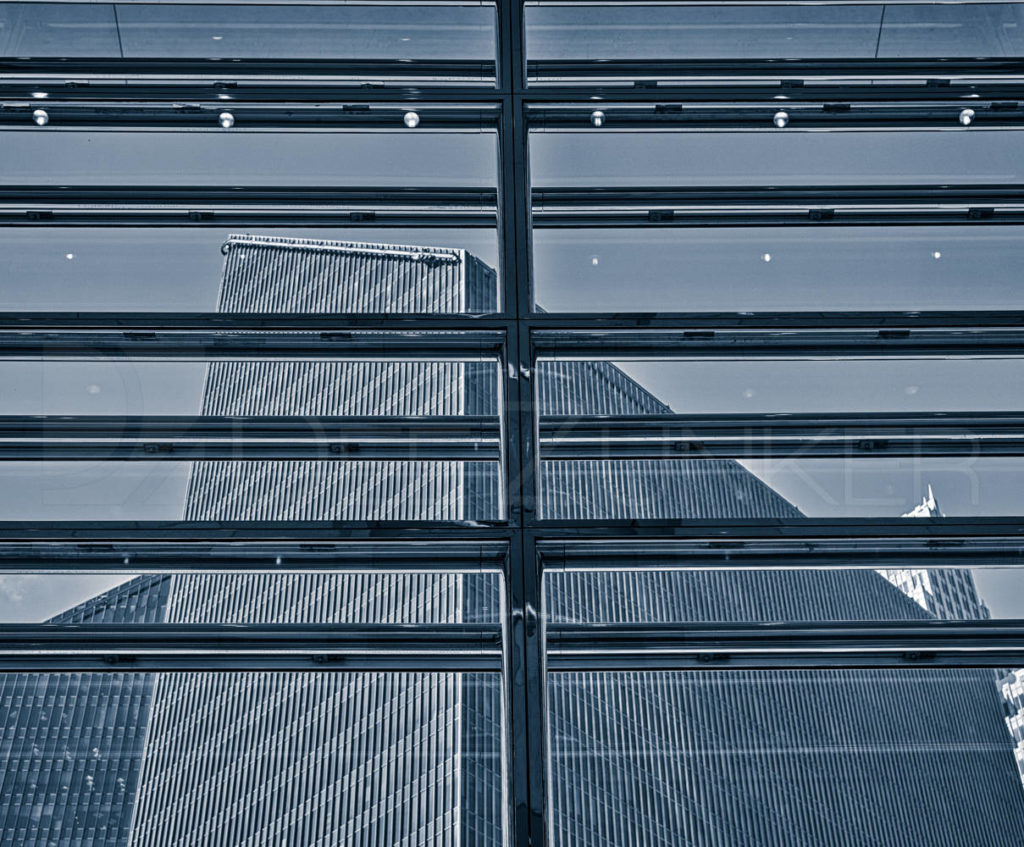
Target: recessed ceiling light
[[411, 120]]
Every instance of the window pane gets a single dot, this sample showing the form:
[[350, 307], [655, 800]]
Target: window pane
[[669, 31], [278, 388], [913, 31], [228, 158], [761, 386], [179, 269], [295, 31], [675, 593], [273, 597], [898, 268], [117, 758], [235, 31], [777, 757], [755, 158], [723, 489], [665, 31], [58, 29], [250, 490]]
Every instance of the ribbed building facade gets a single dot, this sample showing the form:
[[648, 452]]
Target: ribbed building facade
[[71, 744], [712, 758]]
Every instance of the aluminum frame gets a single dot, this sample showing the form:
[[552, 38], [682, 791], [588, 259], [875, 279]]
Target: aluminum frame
[[929, 92]]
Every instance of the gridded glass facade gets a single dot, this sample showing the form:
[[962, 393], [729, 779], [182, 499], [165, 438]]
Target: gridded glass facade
[[511, 423]]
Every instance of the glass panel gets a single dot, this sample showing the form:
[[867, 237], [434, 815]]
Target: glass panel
[[254, 157], [665, 31], [675, 593], [722, 489], [669, 31], [781, 757], [993, 29], [400, 32], [295, 31], [782, 157], [250, 490], [179, 269], [268, 387], [760, 386], [682, 269], [261, 758], [321, 597], [69, 30]]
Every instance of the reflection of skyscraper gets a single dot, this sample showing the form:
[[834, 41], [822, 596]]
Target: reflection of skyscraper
[[950, 594], [652, 758]]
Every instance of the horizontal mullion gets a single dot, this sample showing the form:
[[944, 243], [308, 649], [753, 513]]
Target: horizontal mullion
[[226, 321], [800, 116], [465, 438], [176, 205], [50, 648], [323, 531], [705, 342], [544, 321], [229, 69], [806, 553], [779, 435], [795, 530], [249, 115], [896, 644], [337, 344], [326, 556], [254, 90], [806, 215], [783, 91], [777, 205], [939, 68]]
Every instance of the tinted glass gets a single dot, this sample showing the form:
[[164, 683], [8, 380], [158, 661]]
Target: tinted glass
[[365, 388], [769, 757], [784, 157], [673, 593], [697, 269], [725, 489], [229, 157], [766, 386], [678, 31], [258, 31], [249, 598], [250, 490], [178, 269], [262, 757]]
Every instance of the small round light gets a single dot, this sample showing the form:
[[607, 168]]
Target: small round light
[[40, 117], [967, 117], [227, 120], [69, 256], [767, 257], [411, 120], [781, 119], [595, 261], [597, 118], [937, 254]]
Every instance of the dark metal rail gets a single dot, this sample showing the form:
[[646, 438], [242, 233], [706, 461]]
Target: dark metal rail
[[457, 438]]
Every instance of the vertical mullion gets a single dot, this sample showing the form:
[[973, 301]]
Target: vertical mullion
[[524, 679]]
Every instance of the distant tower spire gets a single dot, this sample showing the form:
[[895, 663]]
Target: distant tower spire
[[927, 508]]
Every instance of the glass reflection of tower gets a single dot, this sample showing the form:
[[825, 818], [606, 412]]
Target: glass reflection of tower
[[831, 757]]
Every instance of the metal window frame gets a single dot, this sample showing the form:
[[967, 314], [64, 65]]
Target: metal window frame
[[822, 94]]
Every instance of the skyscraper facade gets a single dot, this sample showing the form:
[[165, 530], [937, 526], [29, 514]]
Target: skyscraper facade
[[710, 758]]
